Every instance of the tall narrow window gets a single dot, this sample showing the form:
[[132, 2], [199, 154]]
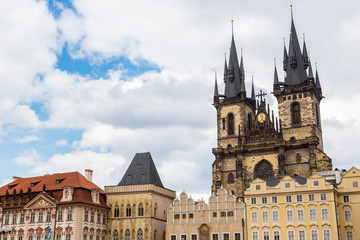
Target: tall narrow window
[[317, 114], [231, 127], [295, 112], [231, 178], [116, 211], [128, 210], [140, 235], [141, 210], [115, 235]]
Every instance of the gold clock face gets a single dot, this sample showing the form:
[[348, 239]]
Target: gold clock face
[[261, 117]]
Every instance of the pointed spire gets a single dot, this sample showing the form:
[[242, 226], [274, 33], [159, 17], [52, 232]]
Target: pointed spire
[[305, 54], [242, 72], [317, 79], [295, 67], [285, 58], [225, 69], [252, 88], [276, 77], [216, 91], [311, 75]]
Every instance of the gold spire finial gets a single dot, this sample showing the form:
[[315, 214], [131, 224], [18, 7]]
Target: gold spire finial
[[290, 4]]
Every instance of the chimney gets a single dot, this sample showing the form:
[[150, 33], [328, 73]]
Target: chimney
[[88, 174]]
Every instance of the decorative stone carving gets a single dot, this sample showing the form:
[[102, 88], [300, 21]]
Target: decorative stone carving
[[263, 170]]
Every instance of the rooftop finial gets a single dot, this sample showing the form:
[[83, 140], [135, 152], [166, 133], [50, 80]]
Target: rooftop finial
[[291, 11], [232, 26]]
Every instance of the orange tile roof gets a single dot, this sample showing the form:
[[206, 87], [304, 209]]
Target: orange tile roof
[[74, 179]]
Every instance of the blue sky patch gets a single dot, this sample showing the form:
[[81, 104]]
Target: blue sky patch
[[55, 7], [86, 67]]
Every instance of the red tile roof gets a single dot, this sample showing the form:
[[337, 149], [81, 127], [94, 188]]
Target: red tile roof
[[74, 179], [82, 187]]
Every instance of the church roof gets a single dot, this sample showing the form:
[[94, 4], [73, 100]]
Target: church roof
[[275, 181], [142, 170]]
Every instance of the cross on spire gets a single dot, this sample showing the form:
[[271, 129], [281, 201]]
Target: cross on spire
[[261, 95]]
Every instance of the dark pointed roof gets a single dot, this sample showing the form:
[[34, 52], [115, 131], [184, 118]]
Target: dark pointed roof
[[142, 170], [276, 77], [233, 82], [311, 75], [252, 89], [295, 68]]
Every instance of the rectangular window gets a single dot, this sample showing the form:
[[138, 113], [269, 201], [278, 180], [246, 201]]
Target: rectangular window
[[266, 235], [182, 237], [274, 199], [316, 183], [264, 200], [287, 185], [32, 217], [48, 216], [326, 233], [67, 237], [254, 217], [230, 213], [193, 237], [255, 236], [346, 199], [104, 218], [91, 237], [312, 214], [276, 235], [349, 235], [97, 237], [177, 216], [275, 215], [265, 216], [299, 198], [98, 219], [226, 236], [92, 218], [60, 215], [30, 238], [86, 215], [323, 197], [300, 213], [40, 217], [237, 236], [172, 237], [291, 235], [289, 215], [22, 218], [253, 201], [184, 216], [85, 237], [347, 214], [301, 234], [191, 215], [223, 214], [257, 187], [38, 237], [14, 218], [325, 214], [58, 237], [311, 197], [214, 214], [288, 199], [314, 234], [355, 183], [69, 215], [7, 217], [215, 236], [20, 238]]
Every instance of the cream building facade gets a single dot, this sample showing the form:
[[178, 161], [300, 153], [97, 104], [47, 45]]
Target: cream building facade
[[292, 208], [222, 218], [138, 203]]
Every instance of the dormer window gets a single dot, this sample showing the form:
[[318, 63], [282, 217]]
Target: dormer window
[[59, 180], [68, 192], [34, 184], [11, 186]]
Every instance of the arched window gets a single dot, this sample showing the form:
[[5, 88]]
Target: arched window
[[128, 210], [127, 235], [295, 112], [116, 211], [155, 233], [140, 210], [231, 127], [231, 178], [115, 235], [139, 235], [263, 170]]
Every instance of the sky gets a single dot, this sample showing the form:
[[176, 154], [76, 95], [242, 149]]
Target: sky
[[86, 84]]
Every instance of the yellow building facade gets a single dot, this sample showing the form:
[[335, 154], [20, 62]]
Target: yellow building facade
[[138, 203], [222, 218], [292, 208]]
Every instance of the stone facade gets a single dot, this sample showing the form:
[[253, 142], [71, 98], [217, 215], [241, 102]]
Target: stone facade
[[251, 142], [222, 218], [139, 210]]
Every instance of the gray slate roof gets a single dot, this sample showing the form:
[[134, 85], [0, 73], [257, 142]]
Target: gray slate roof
[[142, 170], [275, 181]]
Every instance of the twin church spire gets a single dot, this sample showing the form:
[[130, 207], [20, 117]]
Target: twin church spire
[[296, 63]]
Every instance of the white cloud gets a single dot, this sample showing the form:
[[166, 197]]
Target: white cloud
[[61, 142], [27, 139], [28, 158]]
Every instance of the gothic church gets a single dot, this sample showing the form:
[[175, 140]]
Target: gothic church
[[252, 143]]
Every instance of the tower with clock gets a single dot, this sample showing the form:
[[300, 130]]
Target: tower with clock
[[251, 142]]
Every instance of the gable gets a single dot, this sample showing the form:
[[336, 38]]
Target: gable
[[42, 200]]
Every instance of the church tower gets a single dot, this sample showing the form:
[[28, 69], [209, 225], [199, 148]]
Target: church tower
[[251, 142]]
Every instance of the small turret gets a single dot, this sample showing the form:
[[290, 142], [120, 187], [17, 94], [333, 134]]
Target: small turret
[[305, 55], [252, 88], [285, 60], [317, 79]]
